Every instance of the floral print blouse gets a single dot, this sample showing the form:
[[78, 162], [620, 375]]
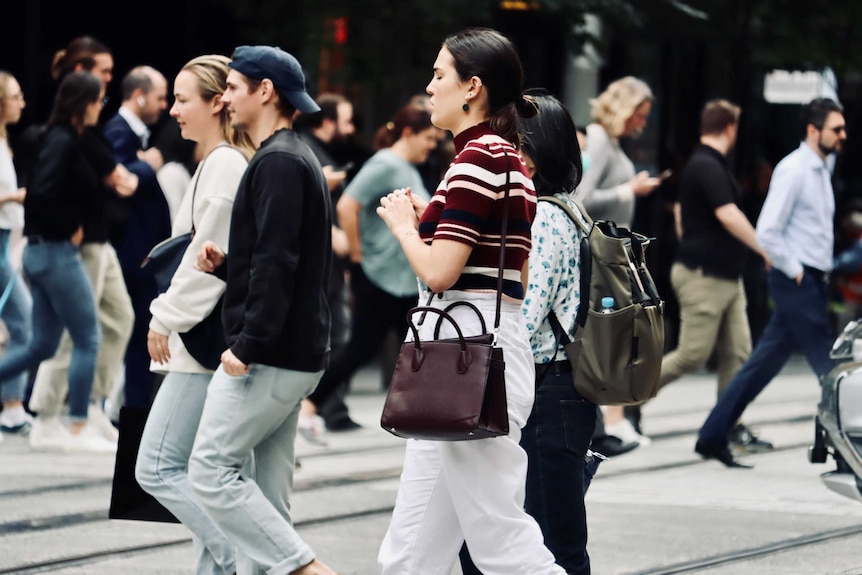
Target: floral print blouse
[[554, 278]]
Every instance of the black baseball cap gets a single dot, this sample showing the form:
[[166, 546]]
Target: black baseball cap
[[282, 69]]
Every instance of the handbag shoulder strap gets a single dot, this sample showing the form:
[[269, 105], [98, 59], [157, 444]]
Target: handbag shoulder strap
[[502, 261], [198, 179]]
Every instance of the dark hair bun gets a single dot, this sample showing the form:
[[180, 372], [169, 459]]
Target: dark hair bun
[[526, 106]]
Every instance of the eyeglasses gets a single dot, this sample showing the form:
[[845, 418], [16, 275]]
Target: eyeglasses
[[837, 129], [19, 97]]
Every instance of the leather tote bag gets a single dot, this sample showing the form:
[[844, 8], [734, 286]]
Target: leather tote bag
[[451, 389]]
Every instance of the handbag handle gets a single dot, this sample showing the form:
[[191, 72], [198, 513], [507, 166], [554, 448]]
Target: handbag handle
[[464, 358], [454, 305]]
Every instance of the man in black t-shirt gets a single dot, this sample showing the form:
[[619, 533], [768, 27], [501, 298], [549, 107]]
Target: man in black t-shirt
[[715, 236]]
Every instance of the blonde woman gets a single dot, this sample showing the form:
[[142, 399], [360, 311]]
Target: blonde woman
[[608, 191], [15, 301], [162, 466], [610, 186]]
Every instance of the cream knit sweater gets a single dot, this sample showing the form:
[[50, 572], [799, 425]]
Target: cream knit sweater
[[192, 294]]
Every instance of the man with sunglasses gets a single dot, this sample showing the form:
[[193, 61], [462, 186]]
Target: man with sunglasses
[[795, 228]]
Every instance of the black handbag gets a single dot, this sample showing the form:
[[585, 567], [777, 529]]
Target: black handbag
[[205, 342], [451, 389], [128, 500]]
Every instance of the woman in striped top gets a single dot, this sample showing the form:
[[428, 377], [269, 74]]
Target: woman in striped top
[[471, 490]]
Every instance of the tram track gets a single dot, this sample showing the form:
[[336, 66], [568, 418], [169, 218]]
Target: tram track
[[758, 552], [307, 485], [359, 478], [329, 453], [130, 551]]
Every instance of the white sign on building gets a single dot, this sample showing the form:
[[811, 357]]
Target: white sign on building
[[796, 87]]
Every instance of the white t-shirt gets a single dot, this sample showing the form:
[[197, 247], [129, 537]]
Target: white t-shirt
[[11, 213]]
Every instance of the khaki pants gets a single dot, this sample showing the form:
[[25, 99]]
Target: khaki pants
[[712, 316], [114, 308]]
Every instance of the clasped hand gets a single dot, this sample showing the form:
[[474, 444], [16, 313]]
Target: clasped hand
[[401, 211]]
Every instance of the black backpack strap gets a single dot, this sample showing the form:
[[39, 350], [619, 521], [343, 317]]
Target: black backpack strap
[[559, 332]]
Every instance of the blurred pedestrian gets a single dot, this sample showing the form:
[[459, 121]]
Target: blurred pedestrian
[[63, 187], [383, 285], [847, 267], [15, 301], [275, 315], [113, 306], [163, 457], [452, 491], [180, 158], [715, 239], [322, 130], [147, 219], [795, 229]]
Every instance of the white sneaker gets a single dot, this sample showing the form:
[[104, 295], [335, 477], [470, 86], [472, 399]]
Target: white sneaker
[[16, 422], [89, 440], [626, 433], [48, 434], [101, 423], [310, 428]]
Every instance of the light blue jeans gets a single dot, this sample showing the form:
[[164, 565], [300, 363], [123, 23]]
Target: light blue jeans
[[62, 299], [16, 314], [254, 414], [163, 465]]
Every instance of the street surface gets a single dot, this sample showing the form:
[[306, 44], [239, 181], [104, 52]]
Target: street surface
[[657, 510]]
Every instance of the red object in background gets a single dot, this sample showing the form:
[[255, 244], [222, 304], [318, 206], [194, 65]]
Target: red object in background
[[340, 25]]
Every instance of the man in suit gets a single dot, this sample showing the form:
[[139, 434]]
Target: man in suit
[[140, 222]]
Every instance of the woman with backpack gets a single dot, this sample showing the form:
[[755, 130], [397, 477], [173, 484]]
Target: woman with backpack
[[557, 435]]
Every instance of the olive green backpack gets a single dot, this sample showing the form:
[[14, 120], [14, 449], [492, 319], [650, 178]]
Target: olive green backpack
[[616, 354]]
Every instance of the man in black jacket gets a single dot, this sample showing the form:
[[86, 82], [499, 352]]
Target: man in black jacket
[[275, 316]]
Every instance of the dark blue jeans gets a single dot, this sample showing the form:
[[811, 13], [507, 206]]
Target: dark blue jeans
[[556, 439], [62, 299], [800, 321]]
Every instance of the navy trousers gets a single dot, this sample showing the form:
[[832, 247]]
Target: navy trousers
[[801, 322]]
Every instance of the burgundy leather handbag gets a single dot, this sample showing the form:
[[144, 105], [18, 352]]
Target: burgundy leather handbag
[[451, 389]]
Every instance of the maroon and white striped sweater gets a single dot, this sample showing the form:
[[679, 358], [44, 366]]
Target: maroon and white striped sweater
[[467, 207]]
